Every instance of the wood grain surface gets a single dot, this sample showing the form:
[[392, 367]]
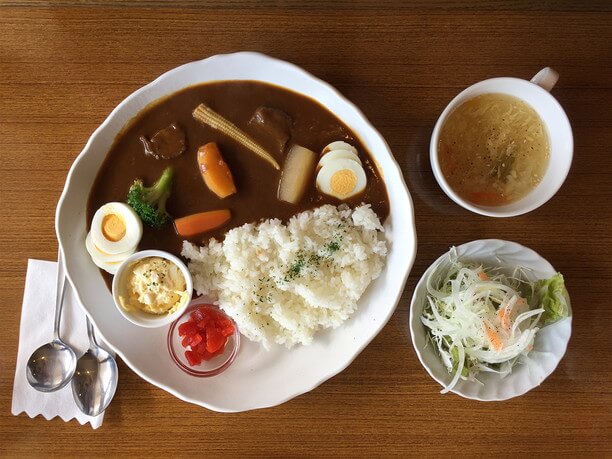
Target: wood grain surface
[[65, 66]]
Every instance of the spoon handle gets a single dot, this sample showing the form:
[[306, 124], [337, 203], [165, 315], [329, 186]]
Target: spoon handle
[[59, 294], [90, 332]]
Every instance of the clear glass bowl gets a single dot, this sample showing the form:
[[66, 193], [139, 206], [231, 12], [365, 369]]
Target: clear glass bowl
[[207, 368]]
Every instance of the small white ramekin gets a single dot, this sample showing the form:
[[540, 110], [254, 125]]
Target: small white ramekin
[[141, 318]]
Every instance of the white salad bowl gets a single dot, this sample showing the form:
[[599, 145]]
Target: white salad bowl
[[549, 346], [258, 378]]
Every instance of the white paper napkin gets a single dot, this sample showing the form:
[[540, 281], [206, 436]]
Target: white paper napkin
[[36, 329]]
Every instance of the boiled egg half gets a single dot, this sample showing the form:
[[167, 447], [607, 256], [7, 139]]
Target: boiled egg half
[[115, 233], [341, 173], [339, 145], [338, 154]]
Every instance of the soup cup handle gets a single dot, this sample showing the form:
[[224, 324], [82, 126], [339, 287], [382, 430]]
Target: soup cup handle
[[546, 78]]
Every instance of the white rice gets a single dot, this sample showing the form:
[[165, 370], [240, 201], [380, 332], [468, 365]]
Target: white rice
[[282, 283]]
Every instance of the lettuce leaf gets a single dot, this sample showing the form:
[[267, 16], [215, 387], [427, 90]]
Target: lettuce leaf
[[551, 294]]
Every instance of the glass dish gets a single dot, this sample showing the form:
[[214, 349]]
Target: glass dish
[[207, 368]]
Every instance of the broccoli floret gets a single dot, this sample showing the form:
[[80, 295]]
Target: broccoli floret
[[150, 202]]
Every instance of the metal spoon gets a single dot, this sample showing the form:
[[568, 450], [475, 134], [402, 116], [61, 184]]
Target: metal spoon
[[95, 380], [52, 365]]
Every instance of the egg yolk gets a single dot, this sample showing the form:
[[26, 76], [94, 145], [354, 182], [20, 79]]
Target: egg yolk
[[343, 182], [113, 227]]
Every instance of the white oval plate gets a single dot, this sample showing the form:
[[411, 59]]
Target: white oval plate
[[258, 378], [549, 346]]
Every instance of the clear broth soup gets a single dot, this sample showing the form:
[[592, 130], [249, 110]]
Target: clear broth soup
[[493, 149]]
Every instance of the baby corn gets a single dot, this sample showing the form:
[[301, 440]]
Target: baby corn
[[208, 116]]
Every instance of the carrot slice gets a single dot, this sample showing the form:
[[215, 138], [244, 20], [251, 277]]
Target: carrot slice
[[201, 222], [483, 276], [214, 170]]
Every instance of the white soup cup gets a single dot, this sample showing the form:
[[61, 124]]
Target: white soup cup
[[536, 94]]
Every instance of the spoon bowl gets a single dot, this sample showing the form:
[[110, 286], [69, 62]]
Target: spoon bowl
[[51, 366], [95, 379]]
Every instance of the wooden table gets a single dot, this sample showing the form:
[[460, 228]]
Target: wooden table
[[64, 68]]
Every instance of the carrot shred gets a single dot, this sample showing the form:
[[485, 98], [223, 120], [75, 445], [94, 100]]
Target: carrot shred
[[201, 222], [504, 317], [494, 338]]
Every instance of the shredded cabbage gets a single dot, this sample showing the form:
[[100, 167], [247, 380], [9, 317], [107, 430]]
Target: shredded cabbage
[[480, 319]]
